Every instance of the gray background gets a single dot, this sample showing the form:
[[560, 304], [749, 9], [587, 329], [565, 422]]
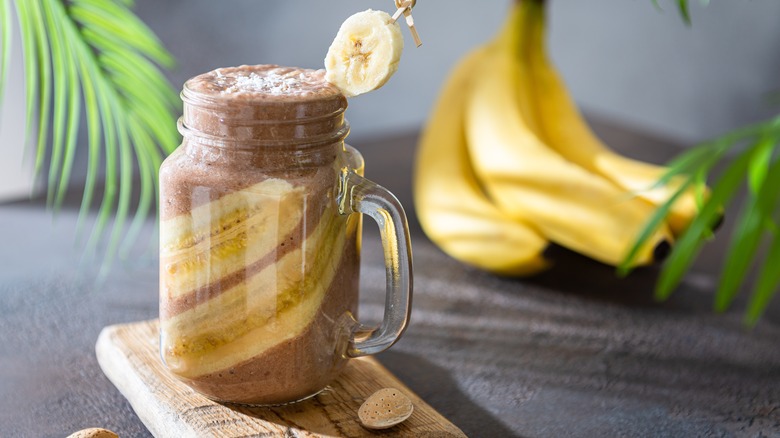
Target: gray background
[[623, 59], [574, 352]]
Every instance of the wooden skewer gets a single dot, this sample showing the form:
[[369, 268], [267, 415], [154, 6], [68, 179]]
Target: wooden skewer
[[410, 23], [401, 10], [405, 8], [400, 3]]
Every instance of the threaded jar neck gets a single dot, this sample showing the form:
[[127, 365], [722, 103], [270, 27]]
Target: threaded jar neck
[[259, 106]]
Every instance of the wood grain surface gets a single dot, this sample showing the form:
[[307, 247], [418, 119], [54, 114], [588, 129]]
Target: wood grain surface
[[129, 356]]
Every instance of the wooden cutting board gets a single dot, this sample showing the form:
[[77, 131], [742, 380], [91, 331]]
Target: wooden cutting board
[[129, 356]]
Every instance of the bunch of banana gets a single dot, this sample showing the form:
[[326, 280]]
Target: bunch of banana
[[506, 165]]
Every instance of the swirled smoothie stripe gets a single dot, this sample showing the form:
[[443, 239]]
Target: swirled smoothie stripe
[[250, 240], [205, 354], [199, 295]]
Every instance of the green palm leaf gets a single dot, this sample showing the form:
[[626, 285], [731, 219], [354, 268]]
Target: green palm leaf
[[768, 281], [95, 55], [5, 42], [754, 164], [690, 243], [682, 7]]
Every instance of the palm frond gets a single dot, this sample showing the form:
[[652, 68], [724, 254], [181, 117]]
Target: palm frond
[[689, 244], [682, 7], [766, 286], [753, 163], [763, 181], [99, 55], [67, 107], [6, 33], [37, 52], [30, 62]]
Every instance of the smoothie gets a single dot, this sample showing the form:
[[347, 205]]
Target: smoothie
[[258, 270]]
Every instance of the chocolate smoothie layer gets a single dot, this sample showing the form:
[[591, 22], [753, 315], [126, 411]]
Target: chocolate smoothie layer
[[258, 270], [247, 125]]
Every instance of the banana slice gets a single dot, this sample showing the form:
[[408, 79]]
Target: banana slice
[[365, 52]]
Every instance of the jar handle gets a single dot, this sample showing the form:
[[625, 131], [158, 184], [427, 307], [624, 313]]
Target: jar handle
[[360, 195]]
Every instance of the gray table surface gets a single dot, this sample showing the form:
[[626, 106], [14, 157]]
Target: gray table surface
[[572, 352]]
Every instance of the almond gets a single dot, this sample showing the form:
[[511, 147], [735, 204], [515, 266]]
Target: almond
[[93, 432], [385, 408]]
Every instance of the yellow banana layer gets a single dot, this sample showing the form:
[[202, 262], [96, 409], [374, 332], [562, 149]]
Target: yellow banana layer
[[272, 307], [212, 218], [223, 236], [263, 292]]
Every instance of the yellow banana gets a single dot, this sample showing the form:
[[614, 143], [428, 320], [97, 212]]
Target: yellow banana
[[451, 206], [564, 129], [529, 181]]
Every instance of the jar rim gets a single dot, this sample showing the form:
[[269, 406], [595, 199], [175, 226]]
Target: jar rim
[[304, 140], [201, 100]]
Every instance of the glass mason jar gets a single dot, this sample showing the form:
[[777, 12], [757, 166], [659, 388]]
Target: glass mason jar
[[260, 240]]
